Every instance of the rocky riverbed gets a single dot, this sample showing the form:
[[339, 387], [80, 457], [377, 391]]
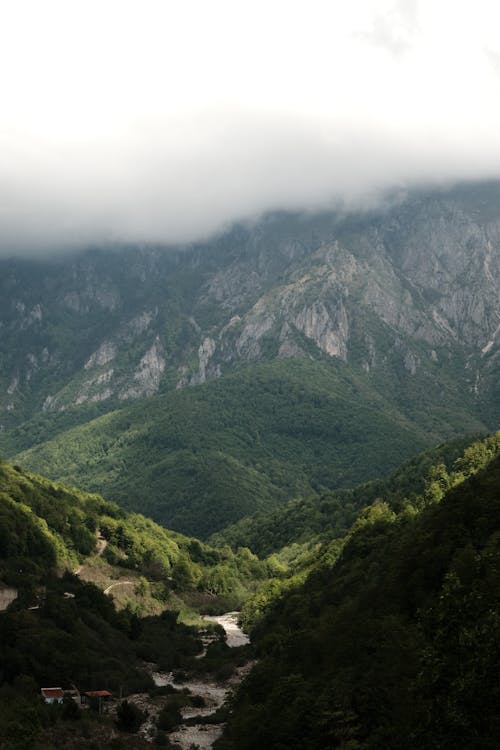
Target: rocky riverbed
[[213, 692], [234, 634]]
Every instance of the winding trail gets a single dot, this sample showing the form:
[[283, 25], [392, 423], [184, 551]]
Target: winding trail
[[119, 583], [102, 543]]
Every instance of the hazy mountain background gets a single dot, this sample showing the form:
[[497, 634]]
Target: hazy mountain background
[[250, 287], [298, 353]]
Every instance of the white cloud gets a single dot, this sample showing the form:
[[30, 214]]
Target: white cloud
[[163, 120]]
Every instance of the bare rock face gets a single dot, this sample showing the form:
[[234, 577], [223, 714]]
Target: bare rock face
[[412, 290], [138, 325], [147, 376], [106, 353], [206, 351], [233, 287], [328, 329], [104, 375], [258, 323]]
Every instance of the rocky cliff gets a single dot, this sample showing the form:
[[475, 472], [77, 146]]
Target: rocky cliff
[[407, 292]]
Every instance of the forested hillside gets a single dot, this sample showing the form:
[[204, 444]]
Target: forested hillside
[[386, 632], [249, 375], [406, 293], [392, 640], [327, 515], [301, 353], [62, 553], [46, 529], [200, 459]]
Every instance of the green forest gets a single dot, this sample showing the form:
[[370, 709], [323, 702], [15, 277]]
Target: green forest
[[374, 616], [47, 526], [64, 630], [329, 514], [199, 459], [250, 376], [392, 639]]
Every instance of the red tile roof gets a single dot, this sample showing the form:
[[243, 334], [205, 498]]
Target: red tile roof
[[98, 693], [55, 692]]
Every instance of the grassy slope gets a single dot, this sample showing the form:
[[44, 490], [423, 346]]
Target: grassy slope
[[45, 526], [200, 459]]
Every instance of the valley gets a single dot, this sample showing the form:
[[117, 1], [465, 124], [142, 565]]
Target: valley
[[250, 375], [213, 694], [290, 605], [249, 485], [294, 355]]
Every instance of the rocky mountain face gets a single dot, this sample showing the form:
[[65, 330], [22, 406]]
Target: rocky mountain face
[[409, 293]]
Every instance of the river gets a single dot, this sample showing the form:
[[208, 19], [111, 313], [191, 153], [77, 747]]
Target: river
[[213, 693], [234, 634]]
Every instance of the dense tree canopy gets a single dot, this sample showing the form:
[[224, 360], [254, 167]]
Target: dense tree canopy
[[395, 643]]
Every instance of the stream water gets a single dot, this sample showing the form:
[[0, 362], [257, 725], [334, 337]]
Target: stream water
[[234, 634], [213, 693]]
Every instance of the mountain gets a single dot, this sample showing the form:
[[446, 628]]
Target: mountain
[[394, 634], [398, 308], [200, 458]]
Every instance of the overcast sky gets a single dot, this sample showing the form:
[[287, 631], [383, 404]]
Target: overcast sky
[[158, 120]]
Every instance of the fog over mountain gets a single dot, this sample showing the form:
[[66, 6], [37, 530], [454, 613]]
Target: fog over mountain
[[164, 122]]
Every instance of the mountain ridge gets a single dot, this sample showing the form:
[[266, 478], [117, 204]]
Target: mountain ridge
[[409, 289], [201, 458], [386, 321]]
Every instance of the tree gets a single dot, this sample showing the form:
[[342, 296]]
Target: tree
[[129, 717]]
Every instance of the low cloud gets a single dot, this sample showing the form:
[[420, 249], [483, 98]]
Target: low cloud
[[140, 126], [395, 29]]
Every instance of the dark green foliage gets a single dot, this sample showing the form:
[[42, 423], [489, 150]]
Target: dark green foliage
[[202, 458], [82, 640], [57, 312], [75, 635], [129, 717], [330, 514], [407, 376], [44, 525], [21, 717], [172, 643], [71, 710], [23, 536], [397, 639], [169, 717]]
